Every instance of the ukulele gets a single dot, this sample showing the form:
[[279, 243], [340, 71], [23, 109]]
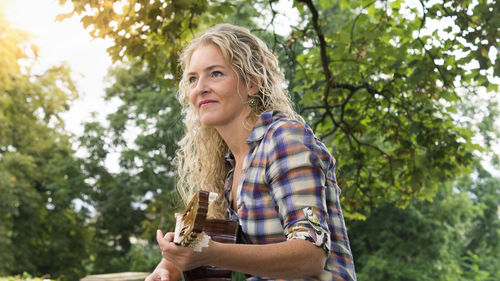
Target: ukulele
[[193, 229]]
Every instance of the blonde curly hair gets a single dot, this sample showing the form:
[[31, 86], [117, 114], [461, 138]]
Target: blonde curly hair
[[200, 158]]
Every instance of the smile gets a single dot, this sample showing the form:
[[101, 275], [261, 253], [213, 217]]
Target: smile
[[206, 102]]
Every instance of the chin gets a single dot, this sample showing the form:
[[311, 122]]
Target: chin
[[208, 122]]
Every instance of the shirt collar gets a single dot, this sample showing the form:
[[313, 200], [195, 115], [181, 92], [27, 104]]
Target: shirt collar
[[258, 131], [262, 125]]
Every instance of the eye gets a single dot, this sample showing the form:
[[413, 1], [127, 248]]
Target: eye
[[191, 79], [216, 74]]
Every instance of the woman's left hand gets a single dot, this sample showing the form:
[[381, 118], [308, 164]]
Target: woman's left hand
[[184, 258]]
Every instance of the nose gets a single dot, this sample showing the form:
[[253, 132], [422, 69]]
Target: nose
[[200, 87]]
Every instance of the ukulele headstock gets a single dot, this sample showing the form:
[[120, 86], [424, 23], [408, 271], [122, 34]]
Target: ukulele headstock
[[193, 229], [189, 225]]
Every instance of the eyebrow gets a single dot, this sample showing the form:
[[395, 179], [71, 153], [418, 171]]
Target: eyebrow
[[207, 69]]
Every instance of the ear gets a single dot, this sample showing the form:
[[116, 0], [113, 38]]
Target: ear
[[253, 89]]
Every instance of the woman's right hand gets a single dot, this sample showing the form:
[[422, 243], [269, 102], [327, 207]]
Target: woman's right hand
[[165, 271]]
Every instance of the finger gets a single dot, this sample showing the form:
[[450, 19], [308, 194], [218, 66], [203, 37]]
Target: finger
[[177, 215], [159, 234], [165, 241], [169, 236], [159, 238]]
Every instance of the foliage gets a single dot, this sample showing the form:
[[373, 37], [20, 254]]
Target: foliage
[[144, 257], [380, 88], [454, 237], [376, 82], [150, 31], [40, 230], [24, 277], [420, 242], [139, 199]]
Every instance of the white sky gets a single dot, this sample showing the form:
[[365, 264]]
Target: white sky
[[66, 41]]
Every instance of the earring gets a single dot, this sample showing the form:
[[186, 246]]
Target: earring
[[255, 103]]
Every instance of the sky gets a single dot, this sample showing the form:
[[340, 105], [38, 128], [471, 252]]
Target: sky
[[66, 41], [69, 42]]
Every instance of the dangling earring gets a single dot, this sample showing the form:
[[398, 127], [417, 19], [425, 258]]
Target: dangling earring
[[255, 103]]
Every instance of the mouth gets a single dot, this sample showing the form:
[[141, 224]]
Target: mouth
[[206, 102]]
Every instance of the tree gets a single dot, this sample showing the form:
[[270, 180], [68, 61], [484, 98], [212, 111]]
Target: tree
[[379, 82], [152, 31], [375, 81], [422, 242], [481, 254], [386, 95], [453, 237], [139, 199], [40, 230]]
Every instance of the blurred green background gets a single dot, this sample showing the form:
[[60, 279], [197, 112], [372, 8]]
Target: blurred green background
[[403, 93]]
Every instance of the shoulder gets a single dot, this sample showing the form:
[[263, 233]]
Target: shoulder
[[290, 132], [276, 136], [283, 126], [288, 137]]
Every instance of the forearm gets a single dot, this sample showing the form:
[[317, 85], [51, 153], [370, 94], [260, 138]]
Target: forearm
[[291, 259], [286, 260]]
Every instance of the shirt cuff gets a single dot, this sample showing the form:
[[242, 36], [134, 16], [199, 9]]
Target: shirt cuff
[[309, 229]]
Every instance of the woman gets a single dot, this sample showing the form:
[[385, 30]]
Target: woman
[[244, 140]]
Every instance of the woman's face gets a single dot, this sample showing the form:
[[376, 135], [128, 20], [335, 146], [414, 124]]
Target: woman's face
[[216, 92]]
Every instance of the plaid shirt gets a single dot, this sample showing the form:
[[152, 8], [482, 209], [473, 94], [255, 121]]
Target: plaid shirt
[[289, 191]]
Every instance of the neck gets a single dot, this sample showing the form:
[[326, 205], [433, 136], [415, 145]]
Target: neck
[[236, 134]]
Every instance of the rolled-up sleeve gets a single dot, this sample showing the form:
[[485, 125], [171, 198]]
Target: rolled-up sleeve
[[295, 173]]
